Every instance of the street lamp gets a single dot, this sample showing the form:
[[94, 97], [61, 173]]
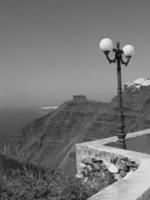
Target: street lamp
[[106, 45]]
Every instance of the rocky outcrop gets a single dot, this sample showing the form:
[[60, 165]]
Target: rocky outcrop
[[99, 173], [49, 141]]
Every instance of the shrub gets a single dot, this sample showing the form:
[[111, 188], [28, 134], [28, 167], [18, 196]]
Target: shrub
[[26, 184]]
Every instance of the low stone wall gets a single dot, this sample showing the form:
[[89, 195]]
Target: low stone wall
[[131, 178]]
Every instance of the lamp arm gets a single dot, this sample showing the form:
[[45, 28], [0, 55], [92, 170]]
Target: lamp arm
[[108, 58], [125, 62]]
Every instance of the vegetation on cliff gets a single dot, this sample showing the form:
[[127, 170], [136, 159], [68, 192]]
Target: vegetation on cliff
[[25, 184]]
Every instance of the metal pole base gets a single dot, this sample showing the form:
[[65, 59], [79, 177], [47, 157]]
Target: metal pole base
[[121, 144]]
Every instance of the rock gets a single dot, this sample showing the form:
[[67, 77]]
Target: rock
[[113, 169], [49, 141]]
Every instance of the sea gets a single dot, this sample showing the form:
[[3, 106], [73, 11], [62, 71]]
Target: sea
[[14, 119]]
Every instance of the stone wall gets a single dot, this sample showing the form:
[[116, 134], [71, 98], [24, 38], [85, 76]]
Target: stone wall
[[133, 184]]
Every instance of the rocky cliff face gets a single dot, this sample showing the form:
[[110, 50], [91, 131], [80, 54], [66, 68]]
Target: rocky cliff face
[[49, 141]]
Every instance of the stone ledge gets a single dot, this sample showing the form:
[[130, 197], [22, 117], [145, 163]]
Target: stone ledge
[[135, 185]]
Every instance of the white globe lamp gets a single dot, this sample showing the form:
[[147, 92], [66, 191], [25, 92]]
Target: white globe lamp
[[128, 50], [106, 44]]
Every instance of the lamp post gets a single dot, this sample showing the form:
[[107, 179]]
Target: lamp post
[[106, 45]]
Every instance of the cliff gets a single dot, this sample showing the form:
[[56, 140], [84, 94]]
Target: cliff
[[49, 141]]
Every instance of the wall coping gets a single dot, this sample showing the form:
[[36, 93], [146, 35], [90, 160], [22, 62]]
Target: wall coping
[[135, 185]]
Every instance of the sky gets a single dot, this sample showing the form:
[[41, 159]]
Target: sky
[[49, 49]]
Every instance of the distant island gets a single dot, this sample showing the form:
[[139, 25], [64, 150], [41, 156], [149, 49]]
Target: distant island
[[49, 107]]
